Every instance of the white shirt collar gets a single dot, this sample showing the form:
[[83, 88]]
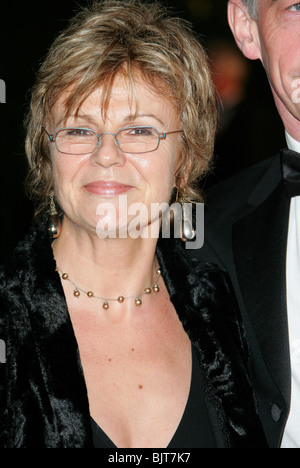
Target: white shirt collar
[[293, 145]]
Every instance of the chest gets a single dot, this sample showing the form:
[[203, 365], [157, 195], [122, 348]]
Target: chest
[[137, 375]]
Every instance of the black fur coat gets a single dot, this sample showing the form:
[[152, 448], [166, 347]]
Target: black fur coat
[[43, 398]]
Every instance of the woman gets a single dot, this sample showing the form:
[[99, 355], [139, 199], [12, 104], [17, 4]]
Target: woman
[[114, 339]]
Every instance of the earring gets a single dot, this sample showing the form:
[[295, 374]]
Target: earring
[[187, 230], [54, 226]]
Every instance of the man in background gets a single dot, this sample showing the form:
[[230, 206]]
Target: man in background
[[252, 223]]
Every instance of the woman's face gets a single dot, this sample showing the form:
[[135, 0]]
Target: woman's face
[[111, 190]]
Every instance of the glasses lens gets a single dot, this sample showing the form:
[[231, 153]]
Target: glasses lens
[[138, 139], [76, 141]]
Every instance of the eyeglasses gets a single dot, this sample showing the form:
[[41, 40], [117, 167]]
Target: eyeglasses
[[134, 140]]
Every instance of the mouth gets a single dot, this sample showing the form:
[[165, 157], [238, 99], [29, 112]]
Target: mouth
[[107, 188]]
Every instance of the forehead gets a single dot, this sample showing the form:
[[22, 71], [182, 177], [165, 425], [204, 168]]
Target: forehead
[[124, 99]]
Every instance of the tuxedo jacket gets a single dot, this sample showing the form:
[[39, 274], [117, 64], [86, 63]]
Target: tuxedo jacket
[[43, 396], [246, 228]]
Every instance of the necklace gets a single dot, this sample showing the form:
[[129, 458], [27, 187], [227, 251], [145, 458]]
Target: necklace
[[137, 298]]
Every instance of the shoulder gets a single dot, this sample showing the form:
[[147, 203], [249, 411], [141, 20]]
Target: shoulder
[[213, 285], [201, 291], [12, 271], [186, 272], [218, 307], [17, 276], [205, 301]]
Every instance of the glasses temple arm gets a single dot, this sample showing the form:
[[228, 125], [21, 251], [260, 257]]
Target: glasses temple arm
[[50, 136]]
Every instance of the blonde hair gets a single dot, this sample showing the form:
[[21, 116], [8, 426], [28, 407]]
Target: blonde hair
[[116, 36]]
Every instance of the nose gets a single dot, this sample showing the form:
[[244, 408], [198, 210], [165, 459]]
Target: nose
[[107, 152]]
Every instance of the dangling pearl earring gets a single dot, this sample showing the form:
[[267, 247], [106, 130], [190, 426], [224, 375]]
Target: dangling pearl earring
[[187, 230], [54, 226]]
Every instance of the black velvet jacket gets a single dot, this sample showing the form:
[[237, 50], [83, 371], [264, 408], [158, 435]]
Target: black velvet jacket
[[43, 397]]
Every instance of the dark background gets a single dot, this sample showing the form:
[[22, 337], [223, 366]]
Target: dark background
[[250, 129]]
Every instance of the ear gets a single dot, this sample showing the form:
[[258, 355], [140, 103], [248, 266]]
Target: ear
[[244, 29]]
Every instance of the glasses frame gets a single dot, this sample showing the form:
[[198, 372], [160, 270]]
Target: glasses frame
[[161, 136]]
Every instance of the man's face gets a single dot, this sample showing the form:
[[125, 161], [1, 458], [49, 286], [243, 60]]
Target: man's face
[[276, 42]]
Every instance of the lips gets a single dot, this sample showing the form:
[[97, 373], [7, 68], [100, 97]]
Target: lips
[[107, 188]]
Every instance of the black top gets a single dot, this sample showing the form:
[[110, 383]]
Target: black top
[[194, 430], [43, 395]]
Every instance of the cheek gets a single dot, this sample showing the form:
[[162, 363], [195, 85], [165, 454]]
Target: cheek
[[64, 176], [285, 76], [163, 182], [163, 167], [60, 175], [280, 51], [65, 168], [156, 169]]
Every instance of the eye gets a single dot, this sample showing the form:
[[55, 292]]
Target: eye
[[142, 131], [79, 132], [295, 7]]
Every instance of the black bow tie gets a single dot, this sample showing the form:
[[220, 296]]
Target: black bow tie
[[290, 163]]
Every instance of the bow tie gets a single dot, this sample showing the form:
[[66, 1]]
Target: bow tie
[[290, 164]]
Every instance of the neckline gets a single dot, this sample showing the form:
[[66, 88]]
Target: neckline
[[98, 431]]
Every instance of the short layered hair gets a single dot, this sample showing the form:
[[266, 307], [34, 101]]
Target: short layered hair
[[111, 37]]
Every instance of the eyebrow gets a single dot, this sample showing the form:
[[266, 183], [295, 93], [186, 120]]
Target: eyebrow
[[140, 116], [87, 117], [128, 118]]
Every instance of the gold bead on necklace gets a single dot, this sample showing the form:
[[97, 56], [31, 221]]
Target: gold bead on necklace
[[137, 299]]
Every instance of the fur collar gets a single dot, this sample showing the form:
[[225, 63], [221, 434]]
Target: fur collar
[[40, 324]]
